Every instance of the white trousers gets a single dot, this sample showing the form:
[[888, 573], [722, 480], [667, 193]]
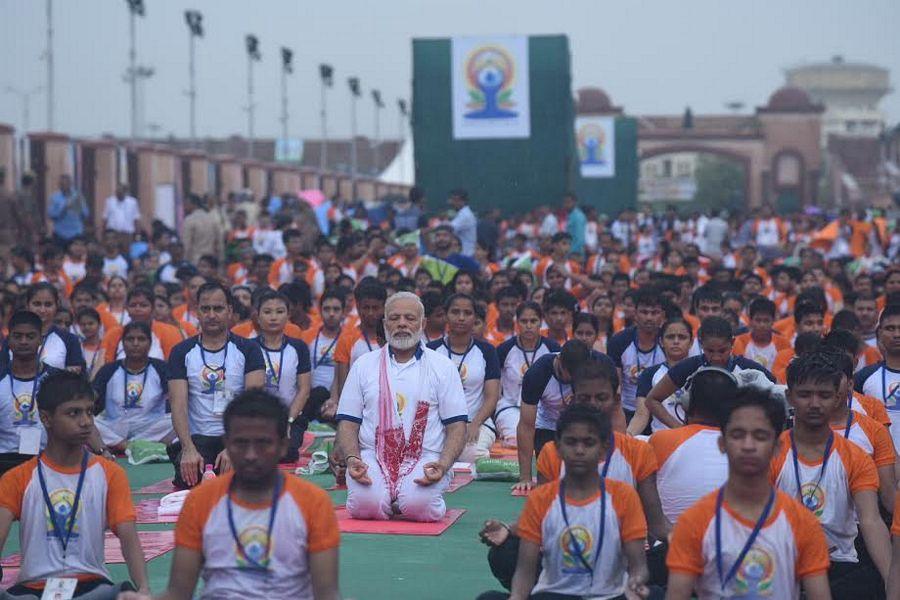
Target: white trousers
[[482, 447], [416, 502], [507, 421], [123, 430]]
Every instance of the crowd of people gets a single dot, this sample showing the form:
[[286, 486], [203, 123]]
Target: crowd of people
[[700, 405]]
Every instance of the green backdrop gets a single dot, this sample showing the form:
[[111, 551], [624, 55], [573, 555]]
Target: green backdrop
[[510, 174], [611, 195]]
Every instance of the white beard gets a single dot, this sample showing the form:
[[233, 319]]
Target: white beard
[[403, 342]]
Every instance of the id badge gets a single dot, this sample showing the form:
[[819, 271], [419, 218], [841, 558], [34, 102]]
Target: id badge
[[221, 398], [29, 440], [59, 588]]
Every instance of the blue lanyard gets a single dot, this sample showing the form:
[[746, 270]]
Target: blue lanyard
[[637, 357], [73, 513], [134, 404], [366, 338], [224, 358], [315, 357], [576, 546], [884, 395], [264, 563], [270, 368], [34, 384], [805, 499], [849, 415], [724, 579], [450, 353], [525, 353]]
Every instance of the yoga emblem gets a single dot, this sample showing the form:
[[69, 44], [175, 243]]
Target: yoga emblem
[[592, 144], [576, 544], [212, 379], [62, 501], [490, 73], [23, 410], [754, 578]]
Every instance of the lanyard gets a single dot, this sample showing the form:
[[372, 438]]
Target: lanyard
[[884, 395], [637, 357], [806, 499], [724, 579], [462, 361], [315, 358], [224, 360], [528, 363], [576, 548], [270, 368], [137, 400], [366, 338], [73, 512], [849, 415], [263, 563], [34, 383]]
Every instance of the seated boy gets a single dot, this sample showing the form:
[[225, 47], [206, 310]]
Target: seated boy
[[84, 494]]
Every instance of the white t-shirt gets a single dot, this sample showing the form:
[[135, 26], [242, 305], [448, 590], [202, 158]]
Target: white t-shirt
[[428, 377], [115, 266], [283, 366], [120, 215]]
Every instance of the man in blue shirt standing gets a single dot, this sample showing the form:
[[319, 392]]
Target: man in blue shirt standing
[[576, 223], [68, 209], [465, 224]]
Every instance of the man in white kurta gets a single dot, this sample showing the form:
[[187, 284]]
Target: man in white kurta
[[402, 422]]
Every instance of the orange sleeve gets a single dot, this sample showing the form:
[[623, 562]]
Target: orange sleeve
[[874, 408], [895, 523], [740, 344], [884, 453], [293, 331], [196, 510], [548, 462], [643, 461], [273, 273], [343, 347], [686, 545], [318, 512], [108, 321], [119, 507], [189, 328], [665, 442], [13, 485], [537, 504], [872, 354], [861, 469], [111, 342], [627, 504], [812, 549], [777, 463], [781, 342]]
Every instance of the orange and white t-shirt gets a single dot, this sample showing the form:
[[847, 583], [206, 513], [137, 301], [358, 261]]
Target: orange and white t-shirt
[[182, 313], [561, 542], [238, 273], [632, 461], [164, 337], [790, 546], [690, 466], [247, 330], [872, 437], [871, 407], [105, 503], [829, 494], [305, 523], [406, 268], [764, 355], [353, 343], [282, 271]]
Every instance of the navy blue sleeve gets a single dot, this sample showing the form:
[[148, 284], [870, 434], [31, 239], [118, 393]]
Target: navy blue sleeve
[[552, 345], [645, 381], [859, 380], [178, 359], [504, 349], [74, 356], [100, 382], [536, 379], [302, 350], [745, 363], [435, 344], [602, 358], [5, 354], [162, 369], [679, 373], [491, 361], [617, 344], [253, 358]]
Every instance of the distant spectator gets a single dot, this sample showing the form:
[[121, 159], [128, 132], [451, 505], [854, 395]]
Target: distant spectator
[[68, 210], [464, 224], [121, 212]]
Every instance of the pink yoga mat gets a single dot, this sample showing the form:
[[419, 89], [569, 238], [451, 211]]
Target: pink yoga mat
[[9, 577], [460, 480], [148, 513], [154, 543], [160, 487], [396, 526]]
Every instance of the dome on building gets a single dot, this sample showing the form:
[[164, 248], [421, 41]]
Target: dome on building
[[593, 100], [790, 99]]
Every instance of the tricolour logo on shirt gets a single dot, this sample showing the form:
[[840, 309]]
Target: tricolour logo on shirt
[[212, 379], [575, 541], [754, 578], [62, 501]]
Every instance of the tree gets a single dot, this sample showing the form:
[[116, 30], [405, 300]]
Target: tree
[[720, 183]]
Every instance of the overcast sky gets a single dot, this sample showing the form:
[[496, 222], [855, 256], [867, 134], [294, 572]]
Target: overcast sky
[[651, 57]]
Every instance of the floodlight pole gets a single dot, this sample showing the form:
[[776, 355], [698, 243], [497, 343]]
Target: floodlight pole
[[49, 57], [284, 105], [192, 91], [132, 72], [250, 105], [323, 115]]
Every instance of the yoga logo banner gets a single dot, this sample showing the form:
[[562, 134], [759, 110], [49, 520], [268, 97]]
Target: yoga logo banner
[[490, 87], [596, 139]]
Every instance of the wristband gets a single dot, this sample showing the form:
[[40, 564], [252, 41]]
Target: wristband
[[346, 458]]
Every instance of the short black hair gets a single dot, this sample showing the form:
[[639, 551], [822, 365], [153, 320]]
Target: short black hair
[[460, 296], [561, 236], [804, 309], [647, 296], [891, 310], [574, 353], [705, 293], [460, 193], [577, 413], [25, 317], [530, 305], [679, 320], [509, 291], [88, 311], [138, 291], [560, 299], [432, 301], [370, 289], [60, 387], [141, 326], [750, 396], [711, 391], [845, 319], [761, 305], [715, 327], [334, 293], [260, 404], [816, 366], [844, 340], [589, 318], [212, 286], [806, 342], [297, 293], [596, 369]]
